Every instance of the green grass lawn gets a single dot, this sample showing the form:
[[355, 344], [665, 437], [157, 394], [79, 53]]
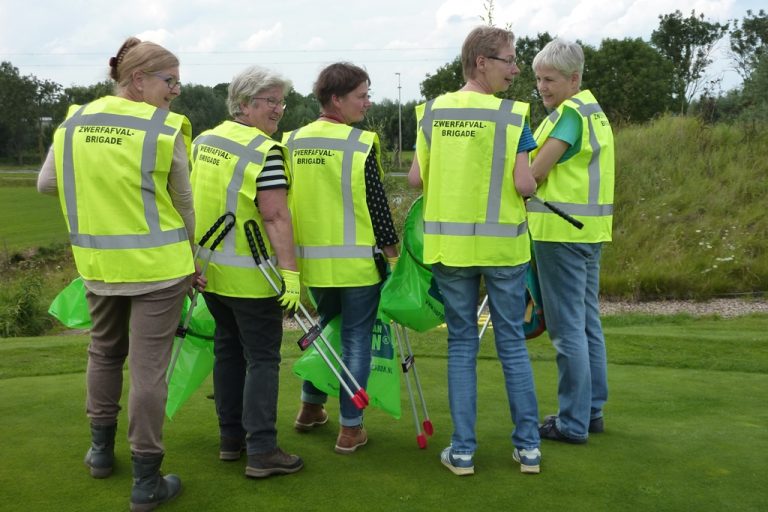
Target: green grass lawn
[[685, 430], [30, 219]]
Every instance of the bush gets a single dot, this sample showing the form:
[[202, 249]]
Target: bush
[[22, 310]]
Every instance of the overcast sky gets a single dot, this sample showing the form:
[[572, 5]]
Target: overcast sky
[[70, 41]]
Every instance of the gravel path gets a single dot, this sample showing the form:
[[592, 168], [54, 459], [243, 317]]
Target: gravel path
[[723, 307]]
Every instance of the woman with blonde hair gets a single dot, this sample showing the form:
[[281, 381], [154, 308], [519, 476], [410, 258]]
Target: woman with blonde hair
[[119, 165]]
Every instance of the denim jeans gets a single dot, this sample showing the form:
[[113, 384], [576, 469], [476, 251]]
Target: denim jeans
[[506, 292], [357, 306], [246, 371], [569, 275]]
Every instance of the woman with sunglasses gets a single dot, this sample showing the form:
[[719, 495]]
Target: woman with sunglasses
[[119, 165]]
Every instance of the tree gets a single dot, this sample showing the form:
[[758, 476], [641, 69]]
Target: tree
[[631, 80], [749, 42], [300, 110], [756, 102], [205, 106], [20, 121], [46, 99], [687, 43], [523, 88], [447, 78]]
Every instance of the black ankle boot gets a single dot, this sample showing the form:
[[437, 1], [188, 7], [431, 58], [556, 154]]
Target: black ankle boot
[[150, 488], [101, 455]]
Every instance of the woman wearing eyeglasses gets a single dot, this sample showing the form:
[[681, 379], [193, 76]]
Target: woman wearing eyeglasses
[[342, 225], [119, 165], [237, 167], [472, 160]]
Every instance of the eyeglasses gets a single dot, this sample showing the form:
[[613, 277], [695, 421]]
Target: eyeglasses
[[510, 61], [170, 81], [271, 102]]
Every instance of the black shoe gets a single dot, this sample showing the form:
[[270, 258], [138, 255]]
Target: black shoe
[[276, 462], [548, 430], [596, 425], [231, 448]]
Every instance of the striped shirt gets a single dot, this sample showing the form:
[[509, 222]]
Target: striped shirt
[[273, 174]]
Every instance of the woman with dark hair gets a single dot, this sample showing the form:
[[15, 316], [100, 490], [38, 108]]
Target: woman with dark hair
[[120, 167], [342, 225]]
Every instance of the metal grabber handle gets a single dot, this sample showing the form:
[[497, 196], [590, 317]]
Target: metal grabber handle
[[312, 330]]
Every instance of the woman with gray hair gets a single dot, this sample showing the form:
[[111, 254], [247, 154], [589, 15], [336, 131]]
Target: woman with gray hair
[[574, 166], [238, 168]]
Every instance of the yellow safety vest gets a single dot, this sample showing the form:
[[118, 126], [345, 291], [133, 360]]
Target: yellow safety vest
[[466, 147], [112, 158], [582, 186], [332, 225], [226, 161]]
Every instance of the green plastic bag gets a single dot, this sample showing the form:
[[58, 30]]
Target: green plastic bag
[[70, 307], [411, 296], [384, 381], [195, 360]]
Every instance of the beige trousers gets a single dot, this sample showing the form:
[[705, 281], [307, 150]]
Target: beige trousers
[[140, 328]]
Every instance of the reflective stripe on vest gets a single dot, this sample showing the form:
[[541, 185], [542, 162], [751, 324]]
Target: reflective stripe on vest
[[502, 117], [350, 249], [246, 155], [153, 127], [593, 208]]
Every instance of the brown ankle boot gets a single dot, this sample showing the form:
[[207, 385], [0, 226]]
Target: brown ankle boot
[[350, 439], [310, 416]]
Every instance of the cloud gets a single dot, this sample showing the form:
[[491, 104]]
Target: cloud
[[315, 43], [264, 38]]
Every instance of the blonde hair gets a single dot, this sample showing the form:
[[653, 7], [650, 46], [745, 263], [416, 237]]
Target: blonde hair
[[483, 41], [135, 54], [563, 56]]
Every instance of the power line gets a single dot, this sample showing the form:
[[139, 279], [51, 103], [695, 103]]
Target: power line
[[246, 52], [233, 63]]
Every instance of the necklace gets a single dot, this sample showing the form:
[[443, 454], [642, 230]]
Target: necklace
[[332, 117]]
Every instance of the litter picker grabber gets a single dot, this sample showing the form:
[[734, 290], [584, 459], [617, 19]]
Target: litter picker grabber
[[576, 223], [181, 331], [534, 302], [487, 319], [312, 330], [408, 363]]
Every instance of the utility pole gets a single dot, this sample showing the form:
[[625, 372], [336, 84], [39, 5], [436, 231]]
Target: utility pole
[[399, 123]]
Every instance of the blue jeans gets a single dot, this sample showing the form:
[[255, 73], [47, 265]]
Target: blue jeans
[[357, 306], [569, 275], [506, 292], [246, 371]]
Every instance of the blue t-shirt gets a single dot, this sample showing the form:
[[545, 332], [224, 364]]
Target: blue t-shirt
[[526, 143]]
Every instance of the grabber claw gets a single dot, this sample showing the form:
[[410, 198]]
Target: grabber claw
[[408, 363], [312, 330], [228, 219]]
